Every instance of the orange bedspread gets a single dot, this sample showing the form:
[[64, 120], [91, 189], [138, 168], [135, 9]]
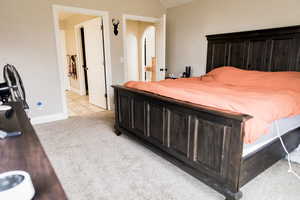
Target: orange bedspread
[[266, 96]]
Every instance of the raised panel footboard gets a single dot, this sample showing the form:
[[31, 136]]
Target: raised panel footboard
[[206, 143]]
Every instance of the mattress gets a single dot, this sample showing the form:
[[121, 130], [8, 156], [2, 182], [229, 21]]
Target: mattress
[[284, 125]]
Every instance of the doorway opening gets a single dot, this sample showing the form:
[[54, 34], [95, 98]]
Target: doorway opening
[[144, 48], [149, 54], [83, 54]]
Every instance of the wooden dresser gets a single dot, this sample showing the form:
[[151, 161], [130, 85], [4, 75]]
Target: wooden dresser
[[26, 153]]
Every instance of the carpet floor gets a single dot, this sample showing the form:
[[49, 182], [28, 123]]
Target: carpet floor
[[92, 163]]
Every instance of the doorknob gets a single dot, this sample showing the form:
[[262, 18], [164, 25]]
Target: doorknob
[[84, 67]]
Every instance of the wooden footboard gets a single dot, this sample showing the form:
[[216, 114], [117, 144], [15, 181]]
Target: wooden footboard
[[205, 143]]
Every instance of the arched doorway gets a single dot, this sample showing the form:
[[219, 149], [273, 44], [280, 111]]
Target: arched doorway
[[132, 55], [148, 54]]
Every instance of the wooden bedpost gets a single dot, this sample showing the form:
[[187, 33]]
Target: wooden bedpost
[[153, 75], [116, 100]]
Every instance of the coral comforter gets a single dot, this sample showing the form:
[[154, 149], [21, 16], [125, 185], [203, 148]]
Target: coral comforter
[[266, 96]]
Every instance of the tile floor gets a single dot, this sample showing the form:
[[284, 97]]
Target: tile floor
[[79, 105]]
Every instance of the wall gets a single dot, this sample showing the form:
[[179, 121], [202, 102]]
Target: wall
[[133, 48], [27, 40], [137, 29], [68, 25], [186, 42]]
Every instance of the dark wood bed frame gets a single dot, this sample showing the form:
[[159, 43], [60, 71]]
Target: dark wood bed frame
[[206, 143]]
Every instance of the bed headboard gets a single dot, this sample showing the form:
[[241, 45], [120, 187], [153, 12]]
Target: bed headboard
[[276, 49]]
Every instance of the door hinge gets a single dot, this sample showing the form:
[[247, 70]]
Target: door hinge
[[105, 95], [102, 27]]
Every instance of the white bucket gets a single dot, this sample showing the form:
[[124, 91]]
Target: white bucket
[[16, 185]]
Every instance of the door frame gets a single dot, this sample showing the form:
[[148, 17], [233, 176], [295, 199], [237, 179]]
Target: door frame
[[136, 18], [64, 59], [56, 9]]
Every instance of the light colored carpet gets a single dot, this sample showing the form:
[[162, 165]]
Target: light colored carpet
[[295, 155], [92, 163]]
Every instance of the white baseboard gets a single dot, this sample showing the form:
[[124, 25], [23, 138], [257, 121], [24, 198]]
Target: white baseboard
[[48, 118]]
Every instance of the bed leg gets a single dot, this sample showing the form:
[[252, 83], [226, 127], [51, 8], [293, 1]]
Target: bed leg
[[117, 132], [235, 196]]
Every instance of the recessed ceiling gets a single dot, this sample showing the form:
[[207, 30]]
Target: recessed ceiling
[[174, 3]]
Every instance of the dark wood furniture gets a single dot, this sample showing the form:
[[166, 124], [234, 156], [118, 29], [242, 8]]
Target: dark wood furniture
[[206, 143], [171, 78], [275, 49], [26, 153]]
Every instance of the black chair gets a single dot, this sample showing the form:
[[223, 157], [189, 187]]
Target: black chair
[[12, 89]]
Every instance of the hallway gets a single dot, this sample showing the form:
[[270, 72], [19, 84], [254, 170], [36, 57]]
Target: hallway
[[79, 105]]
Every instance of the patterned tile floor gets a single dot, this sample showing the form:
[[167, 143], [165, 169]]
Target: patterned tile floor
[[79, 105]]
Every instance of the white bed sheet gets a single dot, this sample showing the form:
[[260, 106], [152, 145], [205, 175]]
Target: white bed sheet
[[285, 125]]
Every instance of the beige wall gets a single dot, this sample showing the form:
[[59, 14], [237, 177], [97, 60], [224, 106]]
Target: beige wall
[[133, 50], [138, 29], [27, 40], [187, 25], [68, 25]]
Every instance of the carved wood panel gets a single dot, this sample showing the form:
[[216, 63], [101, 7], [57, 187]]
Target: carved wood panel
[[178, 132], [275, 49], [283, 47], [237, 53], [218, 57], [209, 144], [138, 115], [124, 108], [257, 53], [297, 52], [156, 122]]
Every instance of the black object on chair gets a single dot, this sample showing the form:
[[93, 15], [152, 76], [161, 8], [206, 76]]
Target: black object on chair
[[12, 89]]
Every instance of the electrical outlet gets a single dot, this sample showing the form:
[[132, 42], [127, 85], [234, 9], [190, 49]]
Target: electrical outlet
[[40, 105]]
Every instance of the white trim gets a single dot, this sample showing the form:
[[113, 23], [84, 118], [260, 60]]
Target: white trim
[[136, 18], [48, 118], [141, 18], [59, 61], [105, 16], [64, 59], [78, 10]]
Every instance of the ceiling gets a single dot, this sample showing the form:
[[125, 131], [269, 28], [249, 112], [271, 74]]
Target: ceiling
[[173, 3]]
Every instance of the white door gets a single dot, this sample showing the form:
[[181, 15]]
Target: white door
[[161, 48], [64, 59], [95, 62]]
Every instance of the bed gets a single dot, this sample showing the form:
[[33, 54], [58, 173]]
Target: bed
[[209, 143]]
